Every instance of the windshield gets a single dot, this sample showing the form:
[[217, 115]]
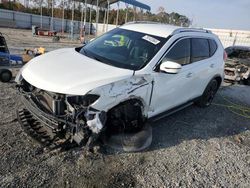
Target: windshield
[[124, 48]]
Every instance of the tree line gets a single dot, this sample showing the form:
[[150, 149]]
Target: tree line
[[34, 7]]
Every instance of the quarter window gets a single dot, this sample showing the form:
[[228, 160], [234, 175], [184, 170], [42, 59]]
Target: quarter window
[[180, 53], [200, 49]]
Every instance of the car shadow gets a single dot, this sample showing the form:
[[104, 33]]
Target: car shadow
[[218, 120]]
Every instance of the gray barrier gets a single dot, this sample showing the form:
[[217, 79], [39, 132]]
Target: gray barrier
[[22, 20]]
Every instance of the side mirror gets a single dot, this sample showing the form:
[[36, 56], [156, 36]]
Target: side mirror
[[170, 67]]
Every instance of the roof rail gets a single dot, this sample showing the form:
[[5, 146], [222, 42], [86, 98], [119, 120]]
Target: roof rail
[[142, 22], [183, 29]]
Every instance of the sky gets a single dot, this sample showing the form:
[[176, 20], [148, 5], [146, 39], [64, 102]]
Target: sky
[[219, 14]]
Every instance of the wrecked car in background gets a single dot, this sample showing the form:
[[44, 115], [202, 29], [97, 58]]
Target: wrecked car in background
[[108, 91], [237, 65]]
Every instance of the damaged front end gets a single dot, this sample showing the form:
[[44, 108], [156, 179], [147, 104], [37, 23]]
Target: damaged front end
[[54, 118]]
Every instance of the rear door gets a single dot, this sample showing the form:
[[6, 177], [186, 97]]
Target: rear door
[[201, 65]]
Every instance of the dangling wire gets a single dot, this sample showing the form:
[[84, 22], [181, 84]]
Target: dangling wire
[[237, 109]]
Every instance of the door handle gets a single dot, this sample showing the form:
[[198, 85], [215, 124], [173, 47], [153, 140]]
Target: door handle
[[189, 75], [212, 65]]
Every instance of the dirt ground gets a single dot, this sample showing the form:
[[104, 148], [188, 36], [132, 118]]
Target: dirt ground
[[20, 39], [192, 148]]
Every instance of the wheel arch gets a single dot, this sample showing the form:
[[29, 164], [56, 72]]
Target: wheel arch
[[218, 78], [132, 99]]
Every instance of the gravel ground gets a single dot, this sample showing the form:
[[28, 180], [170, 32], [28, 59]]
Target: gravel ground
[[191, 148]]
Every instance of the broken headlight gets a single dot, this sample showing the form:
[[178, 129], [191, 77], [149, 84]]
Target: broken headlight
[[84, 100]]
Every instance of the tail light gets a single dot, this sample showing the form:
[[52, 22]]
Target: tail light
[[225, 56]]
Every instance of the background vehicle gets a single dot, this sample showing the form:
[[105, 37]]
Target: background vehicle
[[114, 89], [11, 63], [237, 66], [8, 62]]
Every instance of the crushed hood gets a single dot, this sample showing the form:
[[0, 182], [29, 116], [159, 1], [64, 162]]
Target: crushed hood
[[69, 72]]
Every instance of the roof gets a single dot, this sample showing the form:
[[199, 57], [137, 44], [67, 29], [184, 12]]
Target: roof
[[156, 29], [104, 3]]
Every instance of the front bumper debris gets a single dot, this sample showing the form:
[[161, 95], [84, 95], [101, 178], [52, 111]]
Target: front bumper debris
[[59, 131]]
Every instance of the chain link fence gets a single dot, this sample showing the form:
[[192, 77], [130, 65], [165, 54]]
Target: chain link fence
[[14, 19], [233, 37]]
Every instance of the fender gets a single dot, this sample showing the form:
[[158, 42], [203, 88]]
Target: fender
[[136, 87]]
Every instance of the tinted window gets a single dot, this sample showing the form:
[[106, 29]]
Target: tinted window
[[200, 49], [213, 47], [180, 53]]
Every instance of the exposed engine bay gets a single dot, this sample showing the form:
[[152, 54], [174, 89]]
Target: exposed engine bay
[[67, 117], [55, 119]]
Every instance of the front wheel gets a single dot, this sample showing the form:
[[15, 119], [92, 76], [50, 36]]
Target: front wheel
[[126, 127], [208, 95]]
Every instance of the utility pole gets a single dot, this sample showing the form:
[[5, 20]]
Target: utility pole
[[72, 19], [117, 13], [62, 16], [97, 17], [108, 16], [52, 16], [126, 17], [41, 12]]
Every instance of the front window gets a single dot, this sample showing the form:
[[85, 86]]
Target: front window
[[124, 48], [180, 53]]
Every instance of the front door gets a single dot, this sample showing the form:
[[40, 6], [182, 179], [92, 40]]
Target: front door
[[171, 90]]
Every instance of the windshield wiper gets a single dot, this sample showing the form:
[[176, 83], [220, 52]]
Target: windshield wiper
[[84, 51], [90, 56], [93, 57]]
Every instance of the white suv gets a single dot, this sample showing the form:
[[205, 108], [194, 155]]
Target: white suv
[[118, 81]]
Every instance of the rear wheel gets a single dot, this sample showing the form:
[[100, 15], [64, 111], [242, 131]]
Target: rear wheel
[[247, 81], [5, 76], [208, 95]]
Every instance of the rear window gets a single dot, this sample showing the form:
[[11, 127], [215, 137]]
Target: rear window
[[213, 47], [200, 49]]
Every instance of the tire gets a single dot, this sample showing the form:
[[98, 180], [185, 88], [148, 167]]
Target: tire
[[5, 76], [247, 82], [208, 95], [131, 142]]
